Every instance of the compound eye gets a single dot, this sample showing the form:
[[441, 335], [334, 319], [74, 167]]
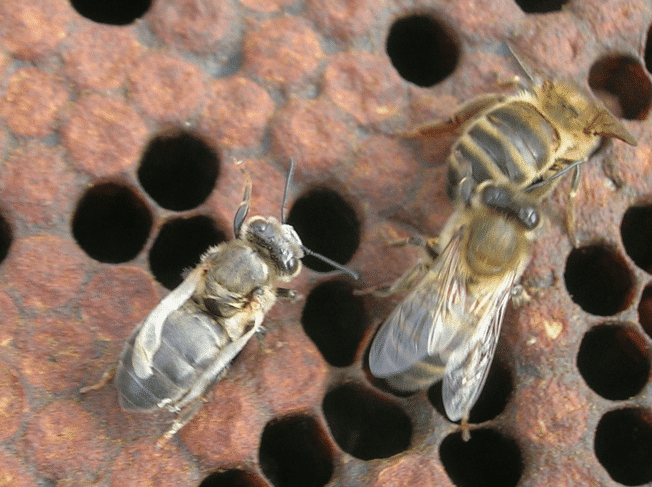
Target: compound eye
[[529, 216], [292, 265]]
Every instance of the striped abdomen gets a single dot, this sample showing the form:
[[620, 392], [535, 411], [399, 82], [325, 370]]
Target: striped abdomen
[[510, 143], [190, 342]]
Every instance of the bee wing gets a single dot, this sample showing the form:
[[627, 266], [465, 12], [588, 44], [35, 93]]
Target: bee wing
[[148, 340], [426, 322], [468, 364]]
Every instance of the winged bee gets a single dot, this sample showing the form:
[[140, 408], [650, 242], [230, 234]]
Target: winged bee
[[187, 341], [449, 323], [528, 139]]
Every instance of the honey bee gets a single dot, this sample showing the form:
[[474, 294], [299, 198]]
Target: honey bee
[[449, 323], [186, 343], [528, 139]]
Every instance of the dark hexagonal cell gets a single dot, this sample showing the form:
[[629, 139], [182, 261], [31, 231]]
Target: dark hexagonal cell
[[623, 445], [233, 478], [178, 170], [295, 452], [335, 320], [6, 237], [541, 6], [645, 310], [636, 232], [621, 82], [113, 12], [111, 223], [614, 361], [492, 400], [488, 459], [366, 424], [423, 50], [179, 246], [598, 279], [328, 225]]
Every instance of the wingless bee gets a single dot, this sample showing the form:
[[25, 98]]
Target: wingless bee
[[449, 323], [188, 340]]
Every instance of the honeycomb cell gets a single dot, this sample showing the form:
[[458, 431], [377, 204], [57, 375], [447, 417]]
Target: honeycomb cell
[[111, 223], [112, 12], [6, 237], [623, 445], [233, 478], [488, 459], [366, 424], [178, 170], [180, 245], [647, 55], [614, 361], [636, 232], [423, 50], [335, 320], [328, 225], [598, 280], [621, 82], [540, 6], [295, 452], [492, 400], [645, 310]]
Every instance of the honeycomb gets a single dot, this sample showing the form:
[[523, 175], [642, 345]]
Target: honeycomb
[[120, 122]]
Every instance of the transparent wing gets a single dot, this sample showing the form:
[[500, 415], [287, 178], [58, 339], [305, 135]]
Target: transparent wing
[[427, 321], [469, 363], [148, 340]]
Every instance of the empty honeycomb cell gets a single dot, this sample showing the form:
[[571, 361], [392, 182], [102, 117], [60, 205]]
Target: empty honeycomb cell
[[365, 424], [111, 222], [6, 237], [614, 361], [621, 82], [492, 399], [327, 224], [295, 452], [645, 310], [113, 12], [488, 459], [598, 280], [636, 232], [179, 246], [335, 320], [540, 6], [233, 478], [647, 55], [423, 50], [178, 170], [623, 445]]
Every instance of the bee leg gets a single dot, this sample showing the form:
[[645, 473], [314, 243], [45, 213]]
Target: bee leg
[[243, 209], [183, 419], [570, 210], [466, 432], [285, 293], [106, 378], [403, 283]]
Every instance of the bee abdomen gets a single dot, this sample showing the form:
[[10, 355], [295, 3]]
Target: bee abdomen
[[420, 376], [189, 344], [511, 143]]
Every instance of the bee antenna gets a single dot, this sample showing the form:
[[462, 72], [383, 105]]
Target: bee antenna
[[288, 181], [336, 265]]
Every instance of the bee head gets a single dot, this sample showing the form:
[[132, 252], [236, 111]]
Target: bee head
[[278, 243]]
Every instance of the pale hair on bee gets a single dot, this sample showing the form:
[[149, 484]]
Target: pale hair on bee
[[187, 341]]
